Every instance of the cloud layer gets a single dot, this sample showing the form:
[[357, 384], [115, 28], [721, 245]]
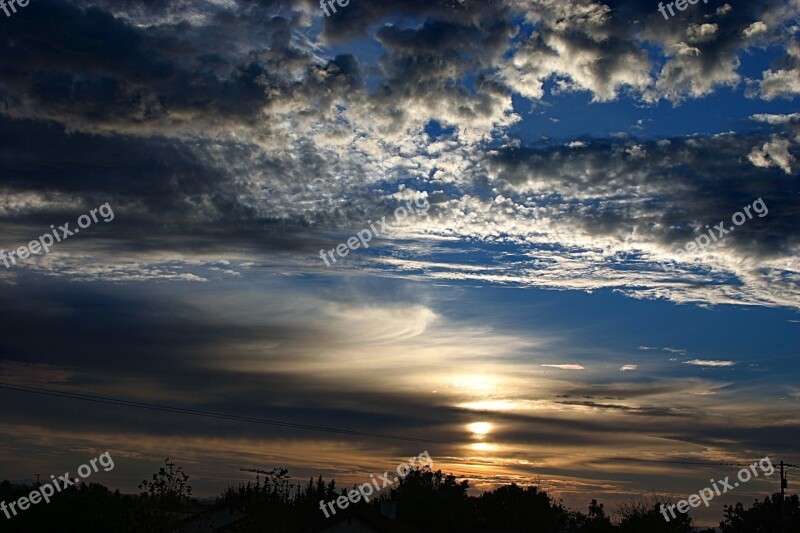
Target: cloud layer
[[236, 140], [207, 125]]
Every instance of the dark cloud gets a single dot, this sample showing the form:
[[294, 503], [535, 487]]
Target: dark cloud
[[96, 72], [362, 15], [678, 189]]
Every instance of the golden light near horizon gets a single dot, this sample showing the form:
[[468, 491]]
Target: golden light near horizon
[[479, 429], [484, 447], [488, 405], [474, 383]]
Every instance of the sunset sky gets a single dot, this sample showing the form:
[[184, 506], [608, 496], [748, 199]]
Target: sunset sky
[[563, 150]]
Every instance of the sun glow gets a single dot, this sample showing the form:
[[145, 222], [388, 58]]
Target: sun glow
[[480, 429], [474, 383], [484, 447]]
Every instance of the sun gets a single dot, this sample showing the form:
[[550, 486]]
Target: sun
[[480, 428]]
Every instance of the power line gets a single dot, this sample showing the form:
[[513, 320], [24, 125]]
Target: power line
[[678, 462], [207, 414]]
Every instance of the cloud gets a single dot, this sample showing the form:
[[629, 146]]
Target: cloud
[[773, 153], [774, 119], [782, 82], [565, 182], [236, 139], [583, 46], [756, 28], [709, 362], [706, 56], [230, 131], [698, 33], [723, 10], [289, 337]]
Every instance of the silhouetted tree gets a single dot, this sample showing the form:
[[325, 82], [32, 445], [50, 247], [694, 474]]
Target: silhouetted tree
[[430, 501], [433, 501], [595, 521], [271, 507], [644, 516], [513, 508], [169, 489], [762, 517], [164, 496], [90, 508]]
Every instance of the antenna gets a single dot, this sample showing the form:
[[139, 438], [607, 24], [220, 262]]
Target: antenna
[[784, 486]]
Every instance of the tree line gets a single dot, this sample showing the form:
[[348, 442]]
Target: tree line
[[426, 500]]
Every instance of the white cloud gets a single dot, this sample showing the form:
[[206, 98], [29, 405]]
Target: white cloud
[[582, 48], [566, 367], [774, 153], [699, 33], [781, 83], [708, 362], [724, 10], [775, 119], [627, 368], [690, 73], [756, 28], [674, 350], [785, 82]]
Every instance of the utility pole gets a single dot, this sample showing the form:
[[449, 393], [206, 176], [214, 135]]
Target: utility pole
[[784, 486]]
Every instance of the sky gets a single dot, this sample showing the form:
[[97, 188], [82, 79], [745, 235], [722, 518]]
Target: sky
[[525, 178]]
